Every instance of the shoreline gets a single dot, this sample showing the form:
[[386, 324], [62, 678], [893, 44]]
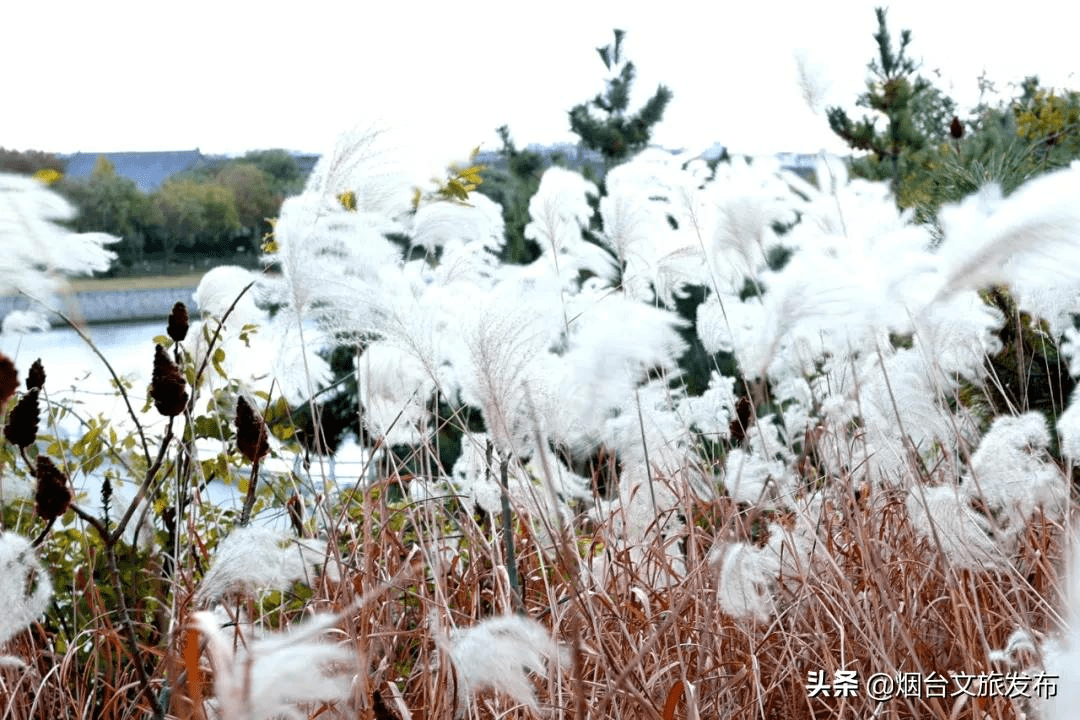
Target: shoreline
[[115, 300], [147, 282]]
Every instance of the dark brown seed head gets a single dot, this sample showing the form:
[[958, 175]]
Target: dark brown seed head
[[744, 416], [167, 386], [9, 379], [178, 322], [296, 514], [53, 496], [36, 377], [956, 128], [22, 425], [251, 436]]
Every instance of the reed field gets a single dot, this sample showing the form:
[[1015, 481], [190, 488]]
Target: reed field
[[858, 503]]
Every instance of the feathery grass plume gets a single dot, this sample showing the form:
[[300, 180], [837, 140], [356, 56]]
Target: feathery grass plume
[[25, 588], [371, 163], [902, 408], [496, 654], [220, 288], [739, 210], [559, 211], [178, 322], [1061, 652], [1011, 473], [444, 224], [37, 248], [944, 516], [642, 524], [646, 426], [21, 322], [53, 495], [1026, 239], [35, 378], [337, 268], [750, 575], [1068, 428], [251, 436], [9, 379], [751, 478], [615, 344], [711, 412], [273, 675], [22, 425], [813, 79], [648, 225], [956, 335], [394, 389], [475, 479], [505, 366], [250, 559], [168, 388], [747, 578]]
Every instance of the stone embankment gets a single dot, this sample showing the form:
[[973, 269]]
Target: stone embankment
[[110, 305]]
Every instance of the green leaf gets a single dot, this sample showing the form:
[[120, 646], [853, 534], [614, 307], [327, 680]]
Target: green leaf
[[223, 467], [211, 427], [218, 358]]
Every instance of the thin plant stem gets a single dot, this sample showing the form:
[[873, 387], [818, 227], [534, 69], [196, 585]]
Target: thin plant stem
[[116, 378]]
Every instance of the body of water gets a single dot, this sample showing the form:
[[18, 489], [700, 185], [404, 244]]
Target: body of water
[[76, 377]]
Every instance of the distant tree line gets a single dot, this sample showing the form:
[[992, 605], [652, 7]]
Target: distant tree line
[[220, 209]]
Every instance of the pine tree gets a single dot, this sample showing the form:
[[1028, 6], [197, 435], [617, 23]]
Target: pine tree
[[618, 134], [895, 91]]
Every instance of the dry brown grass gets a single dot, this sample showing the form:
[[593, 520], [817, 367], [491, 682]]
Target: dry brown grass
[[875, 598]]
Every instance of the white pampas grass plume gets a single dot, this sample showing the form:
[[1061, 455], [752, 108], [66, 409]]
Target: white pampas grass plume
[[944, 515], [747, 577], [711, 412], [1068, 429], [559, 210], [25, 588], [21, 322], [1011, 474], [442, 223], [496, 654], [614, 343], [1061, 655], [645, 198], [35, 249], [369, 161], [756, 480], [506, 336], [272, 675], [221, 288], [814, 81], [395, 389], [1027, 238], [254, 558]]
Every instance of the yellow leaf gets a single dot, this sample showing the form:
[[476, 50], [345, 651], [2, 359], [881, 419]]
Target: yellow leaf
[[348, 200], [47, 176]]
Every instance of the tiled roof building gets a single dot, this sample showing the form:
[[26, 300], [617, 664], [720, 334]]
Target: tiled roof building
[[147, 169]]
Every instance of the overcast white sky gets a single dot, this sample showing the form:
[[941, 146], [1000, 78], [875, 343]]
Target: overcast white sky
[[231, 75]]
